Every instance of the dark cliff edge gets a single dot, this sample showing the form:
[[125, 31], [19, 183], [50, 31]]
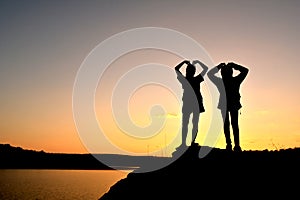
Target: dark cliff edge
[[220, 174]]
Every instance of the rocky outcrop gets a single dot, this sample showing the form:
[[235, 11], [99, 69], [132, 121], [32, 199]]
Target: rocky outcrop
[[220, 174]]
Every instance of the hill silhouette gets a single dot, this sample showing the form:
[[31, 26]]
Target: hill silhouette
[[221, 174], [18, 158]]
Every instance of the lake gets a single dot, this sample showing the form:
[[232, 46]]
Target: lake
[[27, 184]]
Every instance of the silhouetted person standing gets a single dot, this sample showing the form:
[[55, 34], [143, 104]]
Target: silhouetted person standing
[[229, 101], [192, 98]]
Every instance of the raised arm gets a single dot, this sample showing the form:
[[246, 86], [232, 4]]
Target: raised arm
[[204, 67], [177, 68], [243, 70], [213, 71]]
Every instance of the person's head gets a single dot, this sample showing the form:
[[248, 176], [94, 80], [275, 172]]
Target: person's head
[[190, 70], [226, 72]]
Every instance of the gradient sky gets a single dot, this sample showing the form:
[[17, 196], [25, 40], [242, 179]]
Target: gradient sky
[[43, 44]]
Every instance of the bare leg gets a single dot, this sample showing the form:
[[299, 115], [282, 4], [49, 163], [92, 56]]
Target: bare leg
[[195, 125], [185, 121]]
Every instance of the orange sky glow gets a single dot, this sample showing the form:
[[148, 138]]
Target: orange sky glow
[[44, 46]]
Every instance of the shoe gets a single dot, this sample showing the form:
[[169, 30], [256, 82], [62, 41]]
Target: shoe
[[228, 147], [237, 149], [182, 147], [194, 144]]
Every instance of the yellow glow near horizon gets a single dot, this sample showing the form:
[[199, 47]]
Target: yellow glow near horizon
[[39, 63]]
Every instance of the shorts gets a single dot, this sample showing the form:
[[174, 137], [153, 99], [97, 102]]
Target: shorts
[[190, 107]]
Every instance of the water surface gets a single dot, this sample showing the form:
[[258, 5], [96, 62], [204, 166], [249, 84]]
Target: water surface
[[16, 184]]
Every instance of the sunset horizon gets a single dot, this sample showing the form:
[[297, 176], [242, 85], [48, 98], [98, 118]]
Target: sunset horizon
[[46, 45], [105, 100]]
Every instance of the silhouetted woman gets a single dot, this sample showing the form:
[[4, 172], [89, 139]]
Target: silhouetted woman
[[229, 101], [192, 98]]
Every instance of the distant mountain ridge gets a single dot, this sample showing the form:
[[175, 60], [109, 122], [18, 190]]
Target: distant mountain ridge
[[18, 158], [7, 148]]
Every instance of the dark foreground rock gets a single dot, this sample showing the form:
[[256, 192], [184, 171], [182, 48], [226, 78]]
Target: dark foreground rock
[[220, 174]]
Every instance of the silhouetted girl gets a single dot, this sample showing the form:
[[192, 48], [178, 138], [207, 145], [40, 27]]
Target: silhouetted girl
[[229, 101], [192, 98]]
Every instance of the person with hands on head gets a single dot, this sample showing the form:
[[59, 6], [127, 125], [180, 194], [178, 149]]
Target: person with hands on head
[[192, 98], [229, 100]]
